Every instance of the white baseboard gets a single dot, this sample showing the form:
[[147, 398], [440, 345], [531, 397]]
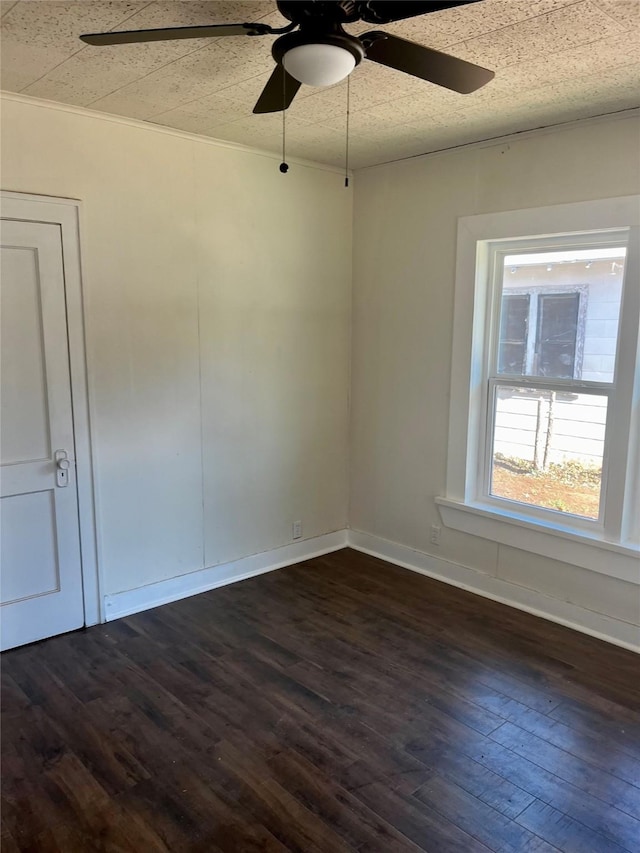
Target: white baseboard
[[153, 595], [587, 621], [522, 598]]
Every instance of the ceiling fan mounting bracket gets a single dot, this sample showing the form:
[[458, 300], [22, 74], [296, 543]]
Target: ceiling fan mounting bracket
[[266, 30], [371, 38], [257, 29], [303, 11]]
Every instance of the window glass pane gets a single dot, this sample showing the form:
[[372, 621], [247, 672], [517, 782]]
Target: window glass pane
[[513, 333], [548, 448], [559, 313], [556, 335]]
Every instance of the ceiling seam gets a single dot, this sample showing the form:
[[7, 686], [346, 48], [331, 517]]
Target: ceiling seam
[[632, 111], [84, 47], [6, 11], [610, 16], [516, 24]]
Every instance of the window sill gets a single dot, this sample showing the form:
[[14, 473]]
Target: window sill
[[558, 543]]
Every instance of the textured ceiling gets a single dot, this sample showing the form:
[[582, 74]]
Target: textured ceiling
[[555, 60]]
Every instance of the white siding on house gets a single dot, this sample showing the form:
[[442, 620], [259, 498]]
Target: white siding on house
[[601, 328]]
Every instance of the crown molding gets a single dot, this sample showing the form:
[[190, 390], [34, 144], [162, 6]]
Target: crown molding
[[490, 142], [167, 131]]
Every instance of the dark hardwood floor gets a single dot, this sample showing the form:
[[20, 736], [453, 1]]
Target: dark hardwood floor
[[342, 704]]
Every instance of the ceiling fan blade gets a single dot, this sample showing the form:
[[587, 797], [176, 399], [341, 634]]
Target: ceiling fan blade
[[170, 33], [439, 68], [279, 92], [386, 11]]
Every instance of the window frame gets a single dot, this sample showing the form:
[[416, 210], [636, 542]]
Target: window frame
[[466, 505]]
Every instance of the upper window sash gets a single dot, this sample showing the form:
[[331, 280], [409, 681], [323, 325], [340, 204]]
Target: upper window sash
[[494, 262]]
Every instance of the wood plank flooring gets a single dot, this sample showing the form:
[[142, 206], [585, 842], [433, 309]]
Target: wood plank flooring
[[339, 705]]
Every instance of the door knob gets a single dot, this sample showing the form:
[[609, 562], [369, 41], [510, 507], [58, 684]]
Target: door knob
[[63, 463]]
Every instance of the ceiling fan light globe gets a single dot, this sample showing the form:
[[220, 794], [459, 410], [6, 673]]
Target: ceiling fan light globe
[[319, 64]]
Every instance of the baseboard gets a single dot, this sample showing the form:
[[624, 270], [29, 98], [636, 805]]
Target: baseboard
[[564, 613], [522, 598], [153, 595]]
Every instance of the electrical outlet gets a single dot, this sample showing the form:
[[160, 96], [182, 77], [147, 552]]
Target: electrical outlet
[[297, 530], [434, 538]]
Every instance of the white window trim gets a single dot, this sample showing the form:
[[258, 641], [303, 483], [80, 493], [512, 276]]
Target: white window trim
[[463, 507]]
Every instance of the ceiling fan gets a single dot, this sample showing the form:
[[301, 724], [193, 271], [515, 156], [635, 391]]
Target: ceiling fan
[[320, 52]]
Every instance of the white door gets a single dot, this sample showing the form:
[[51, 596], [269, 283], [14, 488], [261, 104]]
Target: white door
[[40, 569]]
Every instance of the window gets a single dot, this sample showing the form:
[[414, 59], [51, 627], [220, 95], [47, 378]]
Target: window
[[547, 442], [543, 430]]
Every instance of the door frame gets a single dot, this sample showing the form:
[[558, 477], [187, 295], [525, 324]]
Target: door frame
[[67, 214]]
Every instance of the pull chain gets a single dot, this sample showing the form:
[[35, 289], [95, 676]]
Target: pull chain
[[346, 155], [284, 166]]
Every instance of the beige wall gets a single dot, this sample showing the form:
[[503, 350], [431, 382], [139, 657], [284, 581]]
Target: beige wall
[[404, 267], [217, 318]]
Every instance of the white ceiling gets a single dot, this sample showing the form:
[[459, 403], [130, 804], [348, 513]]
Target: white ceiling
[[555, 60]]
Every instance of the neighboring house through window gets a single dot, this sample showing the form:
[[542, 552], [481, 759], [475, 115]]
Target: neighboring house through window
[[540, 333]]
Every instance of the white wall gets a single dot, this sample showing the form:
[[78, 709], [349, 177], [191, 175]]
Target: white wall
[[217, 300], [405, 222]]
